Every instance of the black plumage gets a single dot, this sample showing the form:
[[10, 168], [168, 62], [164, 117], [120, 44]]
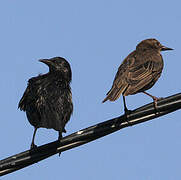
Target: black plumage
[[47, 99], [139, 71]]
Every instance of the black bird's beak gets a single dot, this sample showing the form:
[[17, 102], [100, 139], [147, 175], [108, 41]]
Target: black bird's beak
[[164, 48], [46, 61]]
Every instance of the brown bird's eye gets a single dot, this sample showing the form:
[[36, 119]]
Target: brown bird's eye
[[158, 44]]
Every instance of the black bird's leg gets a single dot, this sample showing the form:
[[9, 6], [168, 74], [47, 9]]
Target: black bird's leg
[[155, 100], [59, 138], [32, 143]]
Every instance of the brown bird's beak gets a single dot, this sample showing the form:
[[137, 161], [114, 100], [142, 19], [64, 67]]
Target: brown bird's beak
[[46, 61], [164, 48]]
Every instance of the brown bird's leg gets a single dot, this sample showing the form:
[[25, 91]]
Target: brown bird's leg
[[125, 108], [155, 99], [32, 143], [126, 111], [59, 138]]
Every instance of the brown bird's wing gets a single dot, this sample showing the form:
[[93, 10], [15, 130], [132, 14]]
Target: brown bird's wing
[[143, 75], [120, 84], [135, 75]]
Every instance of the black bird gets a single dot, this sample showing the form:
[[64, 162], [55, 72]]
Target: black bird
[[139, 71], [47, 99]]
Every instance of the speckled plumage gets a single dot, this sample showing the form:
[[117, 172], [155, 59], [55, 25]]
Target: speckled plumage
[[139, 71], [47, 99]]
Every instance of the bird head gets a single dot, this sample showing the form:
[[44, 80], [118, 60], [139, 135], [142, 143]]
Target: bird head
[[59, 65], [151, 44]]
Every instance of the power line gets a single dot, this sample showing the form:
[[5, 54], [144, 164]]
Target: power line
[[140, 115]]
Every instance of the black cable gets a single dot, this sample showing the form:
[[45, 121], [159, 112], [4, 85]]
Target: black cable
[[142, 114]]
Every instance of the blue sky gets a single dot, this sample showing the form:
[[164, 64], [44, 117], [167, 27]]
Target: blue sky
[[94, 36]]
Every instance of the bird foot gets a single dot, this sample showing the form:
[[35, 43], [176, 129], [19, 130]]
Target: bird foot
[[59, 139], [127, 113], [155, 101], [33, 146]]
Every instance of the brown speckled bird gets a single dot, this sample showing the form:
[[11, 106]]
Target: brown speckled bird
[[139, 71]]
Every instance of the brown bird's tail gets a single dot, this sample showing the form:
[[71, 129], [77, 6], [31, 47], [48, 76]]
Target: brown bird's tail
[[114, 93]]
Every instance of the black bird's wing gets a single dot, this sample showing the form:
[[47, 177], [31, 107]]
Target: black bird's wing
[[30, 100], [23, 100], [30, 92], [47, 102], [135, 74]]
